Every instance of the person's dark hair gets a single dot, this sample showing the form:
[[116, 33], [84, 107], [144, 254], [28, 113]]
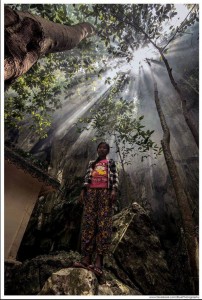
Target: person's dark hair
[[107, 145], [98, 159]]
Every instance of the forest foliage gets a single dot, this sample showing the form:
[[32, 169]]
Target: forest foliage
[[120, 31]]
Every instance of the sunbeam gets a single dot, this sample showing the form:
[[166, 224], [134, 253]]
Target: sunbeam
[[128, 76]]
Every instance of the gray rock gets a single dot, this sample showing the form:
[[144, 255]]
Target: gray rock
[[137, 253], [116, 287], [71, 281], [136, 265], [78, 281]]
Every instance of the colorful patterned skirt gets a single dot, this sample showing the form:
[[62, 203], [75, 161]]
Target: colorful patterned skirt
[[96, 222]]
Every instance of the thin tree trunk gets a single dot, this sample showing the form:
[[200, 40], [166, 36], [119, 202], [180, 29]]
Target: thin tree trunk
[[187, 117], [182, 199], [188, 120], [28, 37], [125, 182], [180, 76], [119, 152], [187, 82]]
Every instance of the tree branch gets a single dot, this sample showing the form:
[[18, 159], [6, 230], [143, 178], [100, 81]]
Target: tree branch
[[178, 29], [28, 37]]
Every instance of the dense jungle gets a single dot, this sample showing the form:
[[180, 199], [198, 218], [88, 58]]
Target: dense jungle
[[127, 74]]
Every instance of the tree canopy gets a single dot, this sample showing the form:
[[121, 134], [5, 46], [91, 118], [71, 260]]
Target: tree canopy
[[120, 31]]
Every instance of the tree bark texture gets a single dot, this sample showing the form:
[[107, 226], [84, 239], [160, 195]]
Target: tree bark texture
[[182, 199], [187, 117], [28, 37]]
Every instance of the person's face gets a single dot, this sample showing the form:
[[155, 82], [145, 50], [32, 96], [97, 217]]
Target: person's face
[[102, 150]]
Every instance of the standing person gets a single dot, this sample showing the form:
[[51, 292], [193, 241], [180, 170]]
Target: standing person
[[98, 196]]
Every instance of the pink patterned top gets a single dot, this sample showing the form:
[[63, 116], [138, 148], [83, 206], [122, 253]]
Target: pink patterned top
[[100, 175]]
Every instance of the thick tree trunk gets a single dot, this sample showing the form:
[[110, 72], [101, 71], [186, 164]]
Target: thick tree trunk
[[28, 37], [182, 199]]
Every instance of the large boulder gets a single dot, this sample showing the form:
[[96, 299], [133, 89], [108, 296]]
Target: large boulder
[[137, 255], [71, 281], [29, 277], [83, 282], [136, 265]]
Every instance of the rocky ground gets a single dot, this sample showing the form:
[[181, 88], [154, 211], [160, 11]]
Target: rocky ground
[[136, 265]]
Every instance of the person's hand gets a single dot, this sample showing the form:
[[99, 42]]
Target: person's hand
[[113, 196], [81, 198]]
